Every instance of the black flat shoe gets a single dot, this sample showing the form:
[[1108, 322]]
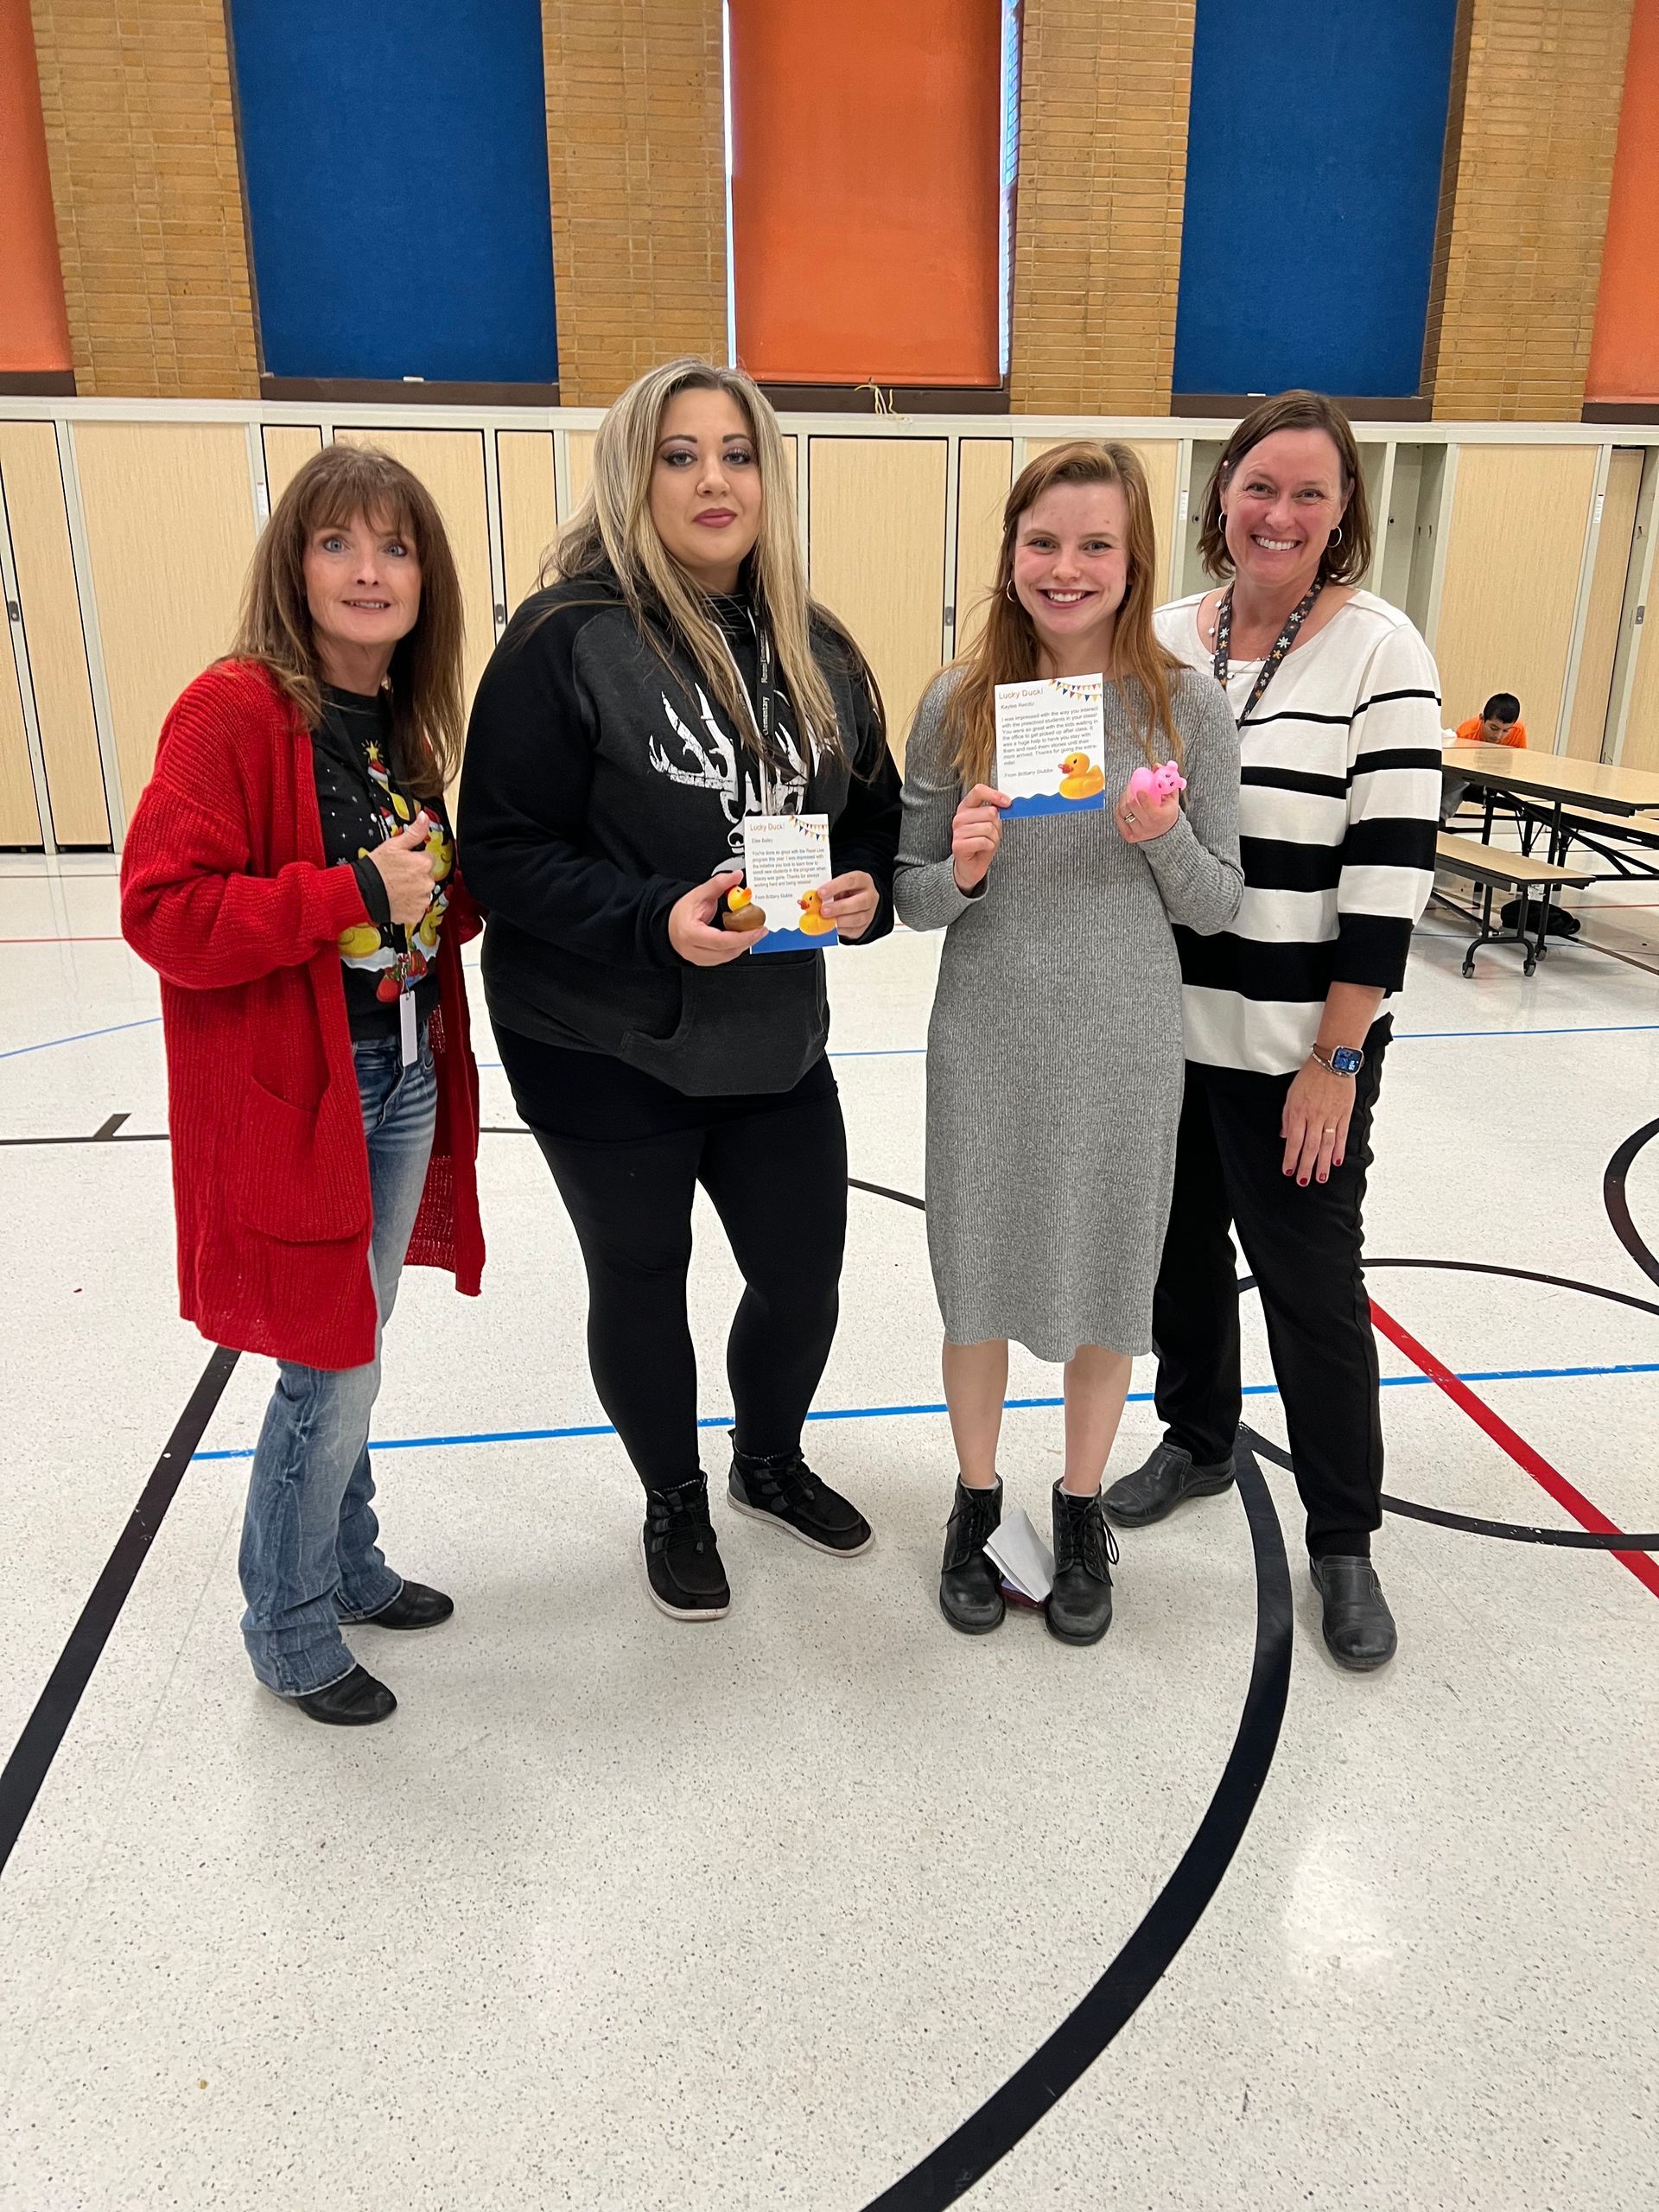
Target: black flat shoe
[[970, 1588], [1167, 1479], [1358, 1628], [416, 1606], [1078, 1609], [356, 1700]]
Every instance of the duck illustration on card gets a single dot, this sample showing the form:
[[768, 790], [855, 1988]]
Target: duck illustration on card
[[785, 867], [1051, 745]]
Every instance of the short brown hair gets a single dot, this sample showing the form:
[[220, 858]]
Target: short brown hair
[[332, 488], [1346, 562]]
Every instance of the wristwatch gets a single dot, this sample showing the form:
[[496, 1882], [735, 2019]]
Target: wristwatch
[[1345, 1059]]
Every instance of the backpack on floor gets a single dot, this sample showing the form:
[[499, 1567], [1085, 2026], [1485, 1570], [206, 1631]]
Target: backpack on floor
[[1561, 925]]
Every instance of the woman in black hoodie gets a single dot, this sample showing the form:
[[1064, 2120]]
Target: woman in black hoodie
[[676, 680]]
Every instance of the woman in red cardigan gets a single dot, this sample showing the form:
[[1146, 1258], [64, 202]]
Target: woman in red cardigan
[[289, 874]]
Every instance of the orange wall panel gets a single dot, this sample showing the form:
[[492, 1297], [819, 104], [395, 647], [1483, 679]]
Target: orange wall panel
[[1625, 356], [865, 189], [33, 328]]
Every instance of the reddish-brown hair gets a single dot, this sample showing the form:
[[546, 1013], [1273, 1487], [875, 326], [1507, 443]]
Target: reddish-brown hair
[[330, 492], [1005, 650]]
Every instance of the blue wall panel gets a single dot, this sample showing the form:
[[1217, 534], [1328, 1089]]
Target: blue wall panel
[[396, 181], [1312, 184]]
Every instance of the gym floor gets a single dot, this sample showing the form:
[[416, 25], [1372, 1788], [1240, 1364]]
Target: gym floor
[[825, 1907]]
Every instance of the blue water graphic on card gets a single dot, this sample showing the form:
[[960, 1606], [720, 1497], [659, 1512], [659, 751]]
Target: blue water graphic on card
[[1050, 741], [786, 864]]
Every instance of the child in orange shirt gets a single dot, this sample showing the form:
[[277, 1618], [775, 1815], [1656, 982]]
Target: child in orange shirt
[[1498, 722]]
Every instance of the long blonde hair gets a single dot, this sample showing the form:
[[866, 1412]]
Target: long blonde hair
[[611, 535], [1005, 650], [330, 492]]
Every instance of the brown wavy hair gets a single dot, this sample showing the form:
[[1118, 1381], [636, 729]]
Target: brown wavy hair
[[329, 492], [1005, 650], [1344, 564]]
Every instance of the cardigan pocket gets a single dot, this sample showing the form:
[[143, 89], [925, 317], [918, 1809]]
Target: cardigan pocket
[[311, 1183]]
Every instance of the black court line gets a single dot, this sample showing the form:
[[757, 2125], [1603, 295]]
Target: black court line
[[881, 1191], [31, 1760], [966, 2156], [1513, 1532], [1616, 1200]]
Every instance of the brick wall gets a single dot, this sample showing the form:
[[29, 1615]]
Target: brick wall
[[1102, 173], [1530, 166], [147, 191], [635, 166]]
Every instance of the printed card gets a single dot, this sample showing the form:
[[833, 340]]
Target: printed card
[[1051, 745], [786, 865]]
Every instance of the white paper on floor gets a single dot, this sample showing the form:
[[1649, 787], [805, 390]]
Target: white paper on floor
[[1026, 1563]]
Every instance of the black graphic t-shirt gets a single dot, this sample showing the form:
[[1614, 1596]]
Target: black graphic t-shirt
[[363, 802]]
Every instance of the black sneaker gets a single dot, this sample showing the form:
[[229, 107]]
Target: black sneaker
[[784, 1490], [683, 1567]]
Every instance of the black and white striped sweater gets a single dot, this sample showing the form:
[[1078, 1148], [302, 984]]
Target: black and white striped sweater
[[1339, 805]]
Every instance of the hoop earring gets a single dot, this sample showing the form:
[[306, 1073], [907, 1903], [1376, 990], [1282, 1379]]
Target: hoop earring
[[1008, 588], [1336, 535]]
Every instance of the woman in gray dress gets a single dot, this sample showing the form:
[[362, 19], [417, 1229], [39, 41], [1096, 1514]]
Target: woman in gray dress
[[1055, 1061]]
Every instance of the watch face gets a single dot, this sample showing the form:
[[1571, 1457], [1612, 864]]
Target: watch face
[[1347, 1059]]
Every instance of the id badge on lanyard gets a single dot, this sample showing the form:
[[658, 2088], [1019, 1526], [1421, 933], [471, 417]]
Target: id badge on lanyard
[[408, 1034]]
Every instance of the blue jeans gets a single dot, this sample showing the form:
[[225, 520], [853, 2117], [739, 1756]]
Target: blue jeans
[[310, 1550]]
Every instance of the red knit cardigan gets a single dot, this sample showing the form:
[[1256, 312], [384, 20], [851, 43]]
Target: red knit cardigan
[[226, 892]]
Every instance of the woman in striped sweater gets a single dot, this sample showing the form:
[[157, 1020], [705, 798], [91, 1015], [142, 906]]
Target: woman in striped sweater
[[1337, 705]]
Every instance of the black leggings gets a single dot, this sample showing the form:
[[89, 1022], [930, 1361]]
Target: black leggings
[[775, 1169]]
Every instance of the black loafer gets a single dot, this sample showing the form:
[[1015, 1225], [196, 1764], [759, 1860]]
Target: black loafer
[[416, 1606], [356, 1700], [1359, 1630], [1167, 1479]]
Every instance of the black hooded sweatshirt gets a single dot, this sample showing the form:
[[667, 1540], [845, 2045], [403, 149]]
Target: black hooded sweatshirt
[[601, 783]]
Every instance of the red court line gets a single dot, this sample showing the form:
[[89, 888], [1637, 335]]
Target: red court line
[[1641, 1564]]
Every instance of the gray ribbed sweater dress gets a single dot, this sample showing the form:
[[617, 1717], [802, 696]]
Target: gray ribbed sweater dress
[[1054, 1053]]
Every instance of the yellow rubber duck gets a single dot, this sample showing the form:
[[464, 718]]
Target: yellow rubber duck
[[1079, 778], [814, 921]]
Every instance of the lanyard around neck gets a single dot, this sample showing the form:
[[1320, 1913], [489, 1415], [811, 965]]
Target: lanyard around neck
[[763, 703], [1282, 643]]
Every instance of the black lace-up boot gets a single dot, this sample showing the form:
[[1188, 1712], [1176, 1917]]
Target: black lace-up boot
[[682, 1565], [970, 1588], [1079, 1608], [784, 1489]]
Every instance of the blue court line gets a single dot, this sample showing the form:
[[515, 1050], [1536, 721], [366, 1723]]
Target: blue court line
[[897, 1413], [47, 1043]]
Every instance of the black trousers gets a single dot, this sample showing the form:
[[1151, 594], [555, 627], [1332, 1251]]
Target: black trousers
[[1303, 1247], [775, 1169]]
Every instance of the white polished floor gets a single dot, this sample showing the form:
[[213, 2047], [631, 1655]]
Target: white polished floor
[[622, 1916]]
